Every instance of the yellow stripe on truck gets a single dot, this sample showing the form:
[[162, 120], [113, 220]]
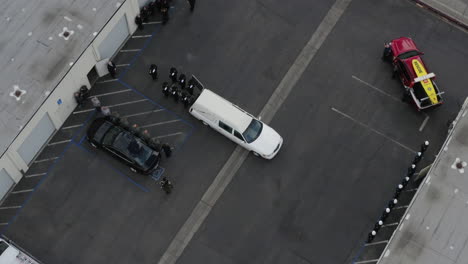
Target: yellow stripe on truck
[[427, 83]]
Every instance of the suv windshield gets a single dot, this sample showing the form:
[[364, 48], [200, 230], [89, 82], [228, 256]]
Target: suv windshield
[[135, 149], [253, 131], [408, 54]]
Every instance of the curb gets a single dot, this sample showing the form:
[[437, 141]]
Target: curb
[[441, 14]]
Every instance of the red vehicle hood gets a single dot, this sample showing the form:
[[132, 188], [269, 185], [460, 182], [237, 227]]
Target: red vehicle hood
[[402, 45]]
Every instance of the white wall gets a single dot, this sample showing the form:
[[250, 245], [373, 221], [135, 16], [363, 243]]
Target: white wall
[[76, 77]]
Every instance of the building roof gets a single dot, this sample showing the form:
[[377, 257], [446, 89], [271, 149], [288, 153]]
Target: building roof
[[34, 58], [434, 229], [232, 114]]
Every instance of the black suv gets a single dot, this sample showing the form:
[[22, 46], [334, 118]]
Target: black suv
[[124, 145]]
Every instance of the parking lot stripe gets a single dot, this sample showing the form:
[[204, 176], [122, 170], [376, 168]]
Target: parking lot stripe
[[170, 135], [122, 65], [106, 81], [411, 190], [34, 175], [110, 93], [23, 191], [70, 127], [161, 123], [45, 160], [375, 88], [9, 207], [376, 243], [59, 142], [400, 207], [130, 50], [142, 36], [144, 113], [373, 130], [152, 23], [424, 123], [126, 103], [366, 261], [391, 224], [230, 168], [3, 223]]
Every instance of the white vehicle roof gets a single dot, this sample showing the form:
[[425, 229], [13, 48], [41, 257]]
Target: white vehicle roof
[[231, 113]]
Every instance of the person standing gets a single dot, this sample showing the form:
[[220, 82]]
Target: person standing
[[166, 185], [111, 68], [173, 74], [153, 71], [165, 11], [192, 4], [139, 22]]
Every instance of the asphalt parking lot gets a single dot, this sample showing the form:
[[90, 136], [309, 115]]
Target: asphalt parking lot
[[348, 140]]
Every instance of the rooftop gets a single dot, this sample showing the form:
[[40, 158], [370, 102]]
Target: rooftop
[[434, 229], [35, 54]]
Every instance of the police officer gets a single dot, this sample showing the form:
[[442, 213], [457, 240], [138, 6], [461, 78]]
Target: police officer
[[111, 68], [191, 85], [167, 149], [424, 146], [173, 74], [175, 92], [166, 185], [153, 71], [165, 89], [182, 80], [139, 22], [144, 14], [185, 99], [165, 11]]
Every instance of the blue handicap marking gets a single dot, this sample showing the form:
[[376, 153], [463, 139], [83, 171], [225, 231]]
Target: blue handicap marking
[[157, 173]]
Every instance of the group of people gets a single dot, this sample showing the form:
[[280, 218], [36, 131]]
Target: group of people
[[157, 5]]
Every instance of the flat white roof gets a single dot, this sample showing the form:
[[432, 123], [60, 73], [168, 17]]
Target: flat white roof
[[434, 229], [231, 113], [34, 58]]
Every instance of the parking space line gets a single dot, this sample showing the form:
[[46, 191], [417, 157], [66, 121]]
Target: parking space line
[[376, 89], [35, 175], [366, 261], [106, 81], [143, 113], [9, 207], [110, 93], [161, 123], [122, 65], [376, 243], [3, 223], [391, 224], [424, 123], [170, 135], [126, 103], [130, 50], [373, 130], [142, 36], [59, 142], [400, 207], [23, 191], [45, 160], [152, 23], [70, 127], [411, 190]]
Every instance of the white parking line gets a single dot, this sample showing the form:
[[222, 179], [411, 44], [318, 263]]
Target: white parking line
[[130, 50], [144, 113], [106, 81], [35, 175], [142, 36], [411, 190], [110, 93], [122, 65], [400, 207], [161, 123], [9, 207], [366, 261], [126, 103], [375, 131], [59, 142], [44, 160], [153, 22], [376, 243], [170, 135], [424, 123], [3, 223], [375, 88], [23, 191], [70, 127]]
